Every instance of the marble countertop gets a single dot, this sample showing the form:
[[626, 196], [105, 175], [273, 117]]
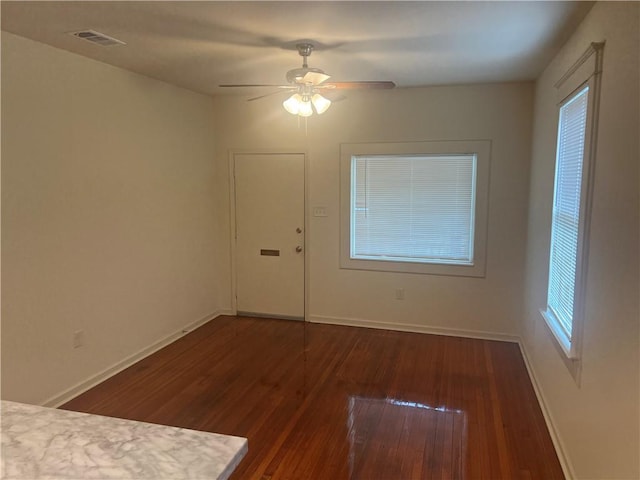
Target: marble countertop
[[39, 443]]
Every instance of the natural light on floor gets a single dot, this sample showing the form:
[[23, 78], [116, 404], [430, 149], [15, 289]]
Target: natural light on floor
[[381, 429]]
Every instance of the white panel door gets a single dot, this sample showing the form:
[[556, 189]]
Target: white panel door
[[269, 201]]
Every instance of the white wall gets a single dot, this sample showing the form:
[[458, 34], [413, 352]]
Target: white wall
[[108, 216], [501, 113], [597, 418]]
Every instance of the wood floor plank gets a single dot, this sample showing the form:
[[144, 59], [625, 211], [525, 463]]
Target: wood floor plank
[[321, 401]]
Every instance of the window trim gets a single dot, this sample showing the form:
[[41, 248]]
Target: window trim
[[480, 148], [585, 72]]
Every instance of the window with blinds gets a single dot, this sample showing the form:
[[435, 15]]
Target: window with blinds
[[578, 95], [565, 222], [413, 208]]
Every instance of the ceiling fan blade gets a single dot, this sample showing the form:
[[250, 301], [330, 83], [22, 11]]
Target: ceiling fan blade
[[265, 95], [256, 85], [315, 78], [356, 85]]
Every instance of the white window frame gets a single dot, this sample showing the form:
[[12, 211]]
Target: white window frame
[[480, 148], [585, 72]]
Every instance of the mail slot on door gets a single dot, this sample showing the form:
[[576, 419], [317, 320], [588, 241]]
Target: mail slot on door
[[270, 253]]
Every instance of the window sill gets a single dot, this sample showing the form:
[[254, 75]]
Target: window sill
[[471, 270], [560, 337]]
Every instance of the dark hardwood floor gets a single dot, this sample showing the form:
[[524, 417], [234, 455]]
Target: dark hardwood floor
[[330, 402]]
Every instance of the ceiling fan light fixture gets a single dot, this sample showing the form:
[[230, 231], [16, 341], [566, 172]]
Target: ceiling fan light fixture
[[292, 104], [320, 103], [305, 109], [301, 105]]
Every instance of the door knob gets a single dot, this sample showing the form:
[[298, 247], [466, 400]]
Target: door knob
[[298, 249], [298, 230]]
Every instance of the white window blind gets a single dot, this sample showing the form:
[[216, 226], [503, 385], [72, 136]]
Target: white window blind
[[413, 208], [566, 210]]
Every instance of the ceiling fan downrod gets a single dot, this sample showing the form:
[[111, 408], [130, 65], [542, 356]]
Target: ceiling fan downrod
[[297, 75]]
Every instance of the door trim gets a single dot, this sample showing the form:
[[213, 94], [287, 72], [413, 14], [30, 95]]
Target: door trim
[[232, 219]]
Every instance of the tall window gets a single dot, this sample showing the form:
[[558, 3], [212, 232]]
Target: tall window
[[566, 211], [415, 207], [571, 202]]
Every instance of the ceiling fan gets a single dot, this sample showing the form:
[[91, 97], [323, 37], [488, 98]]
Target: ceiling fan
[[308, 84]]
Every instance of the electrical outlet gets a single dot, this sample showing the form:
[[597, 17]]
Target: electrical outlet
[[78, 338], [399, 293]]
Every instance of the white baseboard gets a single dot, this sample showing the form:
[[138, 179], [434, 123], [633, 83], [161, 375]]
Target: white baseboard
[[117, 367], [413, 328], [558, 444]]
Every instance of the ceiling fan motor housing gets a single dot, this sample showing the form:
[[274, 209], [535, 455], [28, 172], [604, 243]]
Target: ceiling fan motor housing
[[297, 74]]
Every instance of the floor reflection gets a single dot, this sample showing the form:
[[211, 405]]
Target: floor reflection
[[391, 438]]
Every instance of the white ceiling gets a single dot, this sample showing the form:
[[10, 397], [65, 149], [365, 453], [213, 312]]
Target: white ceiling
[[198, 45]]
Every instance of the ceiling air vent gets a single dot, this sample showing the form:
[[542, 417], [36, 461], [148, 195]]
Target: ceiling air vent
[[97, 38]]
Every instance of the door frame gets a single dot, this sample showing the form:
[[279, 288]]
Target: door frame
[[232, 218]]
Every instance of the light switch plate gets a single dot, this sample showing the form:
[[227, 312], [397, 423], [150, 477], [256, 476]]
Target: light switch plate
[[320, 212]]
